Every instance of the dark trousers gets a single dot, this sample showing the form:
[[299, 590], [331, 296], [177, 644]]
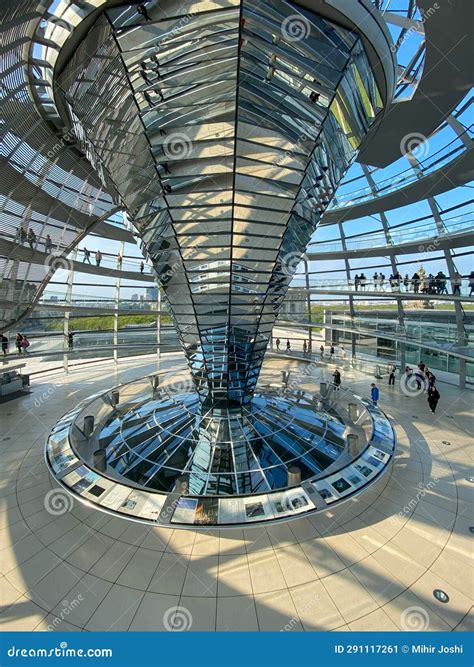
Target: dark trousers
[[433, 403], [391, 379]]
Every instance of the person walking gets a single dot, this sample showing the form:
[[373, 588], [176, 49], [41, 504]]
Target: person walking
[[288, 346], [433, 398], [98, 258], [142, 267], [337, 379], [48, 244], [86, 256], [471, 283], [431, 380], [374, 393], [343, 354], [305, 348], [331, 352], [18, 339], [321, 352], [31, 238], [119, 261], [25, 344], [391, 375], [4, 345], [278, 341], [70, 340]]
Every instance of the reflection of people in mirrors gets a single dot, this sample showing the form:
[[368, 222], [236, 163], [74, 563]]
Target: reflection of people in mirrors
[[142, 10]]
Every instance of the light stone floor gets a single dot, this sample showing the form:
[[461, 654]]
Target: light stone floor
[[84, 570]]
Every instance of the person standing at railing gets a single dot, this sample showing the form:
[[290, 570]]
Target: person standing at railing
[[382, 282], [376, 281], [441, 281], [98, 258], [48, 244], [363, 281], [456, 282], [406, 282], [421, 275], [415, 280], [356, 282]]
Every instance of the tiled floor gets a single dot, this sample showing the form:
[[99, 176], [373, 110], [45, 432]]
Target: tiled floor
[[83, 570]]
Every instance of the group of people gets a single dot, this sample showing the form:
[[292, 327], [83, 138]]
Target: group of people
[[374, 390], [287, 348], [30, 237], [424, 380], [86, 256], [419, 283], [21, 342]]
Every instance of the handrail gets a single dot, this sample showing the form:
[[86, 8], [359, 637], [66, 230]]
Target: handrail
[[403, 178]]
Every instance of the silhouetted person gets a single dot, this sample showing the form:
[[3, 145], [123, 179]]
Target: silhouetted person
[[70, 340], [142, 10], [288, 346], [337, 378], [31, 238], [433, 398], [5, 345], [391, 376], [142, 267], [278, 341]]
